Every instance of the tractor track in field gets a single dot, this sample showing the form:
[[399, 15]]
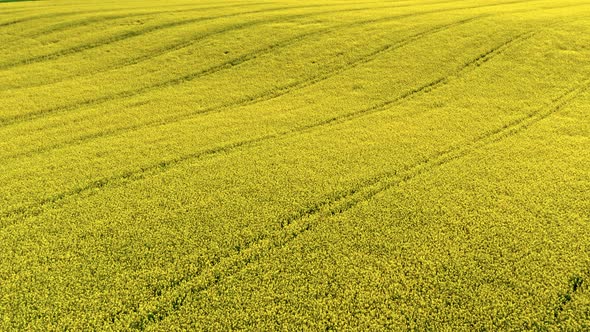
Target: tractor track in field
[[99, 19], [19, 118], [37, 208], [99, 11], [174, 24], [338, 197], [58, 14], [267, 95], [165, 164], [160, 307], [130, 93], [156, 168], [182, 45], [131, 34], [12, 12], [187, 43], [88, 21], [22, 10], [247, 100], [191, 287], [42, 16], [67, 25]]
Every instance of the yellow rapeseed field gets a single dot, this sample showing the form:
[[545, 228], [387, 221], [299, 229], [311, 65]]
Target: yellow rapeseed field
[[295, 165]]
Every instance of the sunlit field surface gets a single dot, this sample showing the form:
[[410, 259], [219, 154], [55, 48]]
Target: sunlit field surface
[[295, 165]]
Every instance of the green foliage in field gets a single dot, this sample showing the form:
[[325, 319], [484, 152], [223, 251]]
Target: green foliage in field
[[15, 0], [295, 165]]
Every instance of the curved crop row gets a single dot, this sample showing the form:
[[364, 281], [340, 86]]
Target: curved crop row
[[164, 165]]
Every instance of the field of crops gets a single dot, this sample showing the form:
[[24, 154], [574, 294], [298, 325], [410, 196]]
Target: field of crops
[[295, 165]]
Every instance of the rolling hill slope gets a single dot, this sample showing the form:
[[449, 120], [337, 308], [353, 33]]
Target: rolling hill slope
[[299, 165]]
